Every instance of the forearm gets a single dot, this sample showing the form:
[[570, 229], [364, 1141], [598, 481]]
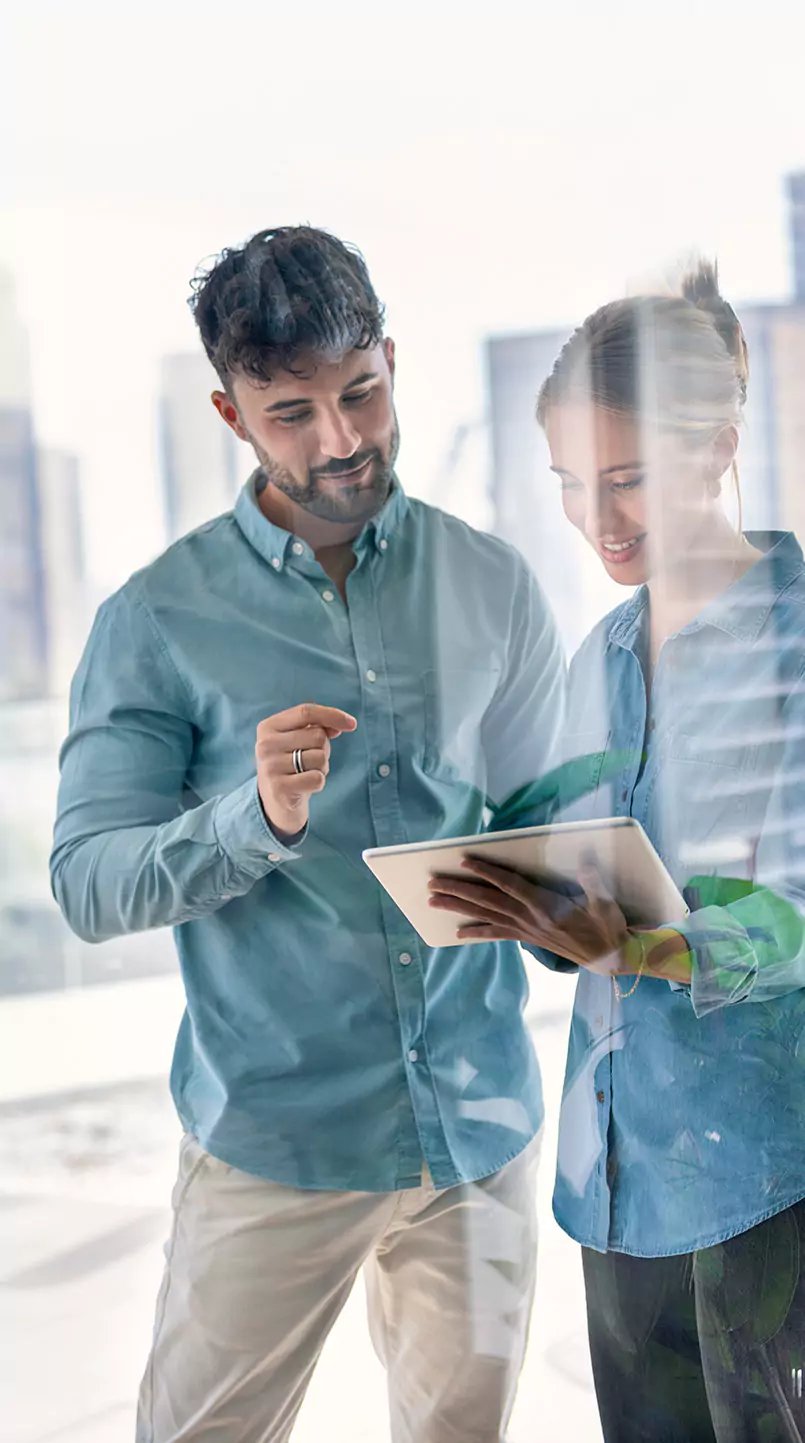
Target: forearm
[[134, 878]]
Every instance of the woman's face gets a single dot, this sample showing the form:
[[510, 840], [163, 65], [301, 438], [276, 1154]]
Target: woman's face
[[635, 510]]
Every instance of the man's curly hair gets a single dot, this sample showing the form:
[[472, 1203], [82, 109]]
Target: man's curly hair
[[286, 291]]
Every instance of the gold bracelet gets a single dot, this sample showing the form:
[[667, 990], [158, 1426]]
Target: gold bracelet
[[620, 995]]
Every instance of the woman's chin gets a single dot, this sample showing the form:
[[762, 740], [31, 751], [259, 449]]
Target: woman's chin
[[635, 575]]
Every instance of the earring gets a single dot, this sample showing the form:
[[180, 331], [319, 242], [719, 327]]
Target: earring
[[714, 485]]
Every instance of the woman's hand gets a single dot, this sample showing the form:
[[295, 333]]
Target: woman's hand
[[589, 930]]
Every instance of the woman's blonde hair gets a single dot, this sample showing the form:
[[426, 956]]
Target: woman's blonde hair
[[680, 361]]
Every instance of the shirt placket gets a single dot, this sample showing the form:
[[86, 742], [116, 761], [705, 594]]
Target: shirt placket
[[630, 784], [421, 1131]]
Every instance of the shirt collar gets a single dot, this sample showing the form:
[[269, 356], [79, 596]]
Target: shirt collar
[[743, 609], [279, 547]]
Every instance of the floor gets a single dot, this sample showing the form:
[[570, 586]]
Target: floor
[[87, 1150]]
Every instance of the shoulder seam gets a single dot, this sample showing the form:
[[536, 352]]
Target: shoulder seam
[[140, 601]]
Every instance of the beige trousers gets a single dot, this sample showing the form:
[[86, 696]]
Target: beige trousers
[[257, 1273]]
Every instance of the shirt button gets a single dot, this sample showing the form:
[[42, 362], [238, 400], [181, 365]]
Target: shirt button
[[600, 1097], [328, 595], [413, 1055], [405, 959], [384, 770], [298, 548], [384, 546], [274, 857], [371, 675], [276, 563]]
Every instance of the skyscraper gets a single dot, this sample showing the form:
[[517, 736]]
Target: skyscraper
[[526, 500], [23, 630], [202, 460], [66, 598], [796, 197]]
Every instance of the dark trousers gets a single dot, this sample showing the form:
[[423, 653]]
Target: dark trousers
[[708, 1347]]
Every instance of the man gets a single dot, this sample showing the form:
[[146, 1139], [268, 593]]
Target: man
[[331, 666]]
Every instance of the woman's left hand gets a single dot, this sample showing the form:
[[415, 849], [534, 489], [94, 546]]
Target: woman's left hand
[[590, 931]]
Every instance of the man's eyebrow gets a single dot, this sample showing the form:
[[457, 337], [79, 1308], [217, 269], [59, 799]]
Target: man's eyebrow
[[286, 405], [305, 400], [361, 379]]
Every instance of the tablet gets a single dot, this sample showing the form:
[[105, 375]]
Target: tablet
[[554, 855]]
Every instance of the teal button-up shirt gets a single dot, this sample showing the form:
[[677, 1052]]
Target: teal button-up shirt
[[323, 1045]]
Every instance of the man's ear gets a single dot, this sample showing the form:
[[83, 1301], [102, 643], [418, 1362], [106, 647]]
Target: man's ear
[[389, 353], [227, 409]]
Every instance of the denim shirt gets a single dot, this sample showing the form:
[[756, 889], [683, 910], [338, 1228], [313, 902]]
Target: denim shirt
[[323, 1044], [683, 1117]]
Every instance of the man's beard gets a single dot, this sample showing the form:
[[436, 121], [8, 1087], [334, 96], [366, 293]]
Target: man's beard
[[343, 502]]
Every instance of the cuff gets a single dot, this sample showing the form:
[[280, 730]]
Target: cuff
[[245, 837], [724, 960], [551, 960]]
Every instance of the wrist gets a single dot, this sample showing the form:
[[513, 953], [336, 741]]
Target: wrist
[[666, 955], [283, 834]]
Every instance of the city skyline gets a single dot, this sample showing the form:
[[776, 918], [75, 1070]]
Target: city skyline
[[200, 466], [492, 184]]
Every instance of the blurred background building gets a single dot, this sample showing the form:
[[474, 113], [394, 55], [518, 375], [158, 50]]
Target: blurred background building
[[43, 580], [525, 496], [202, 461], [23, 627], [67, 587]]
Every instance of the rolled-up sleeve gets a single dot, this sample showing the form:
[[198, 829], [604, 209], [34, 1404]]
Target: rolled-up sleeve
[[751, 948]]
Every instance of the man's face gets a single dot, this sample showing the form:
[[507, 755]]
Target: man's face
[[325, 435]]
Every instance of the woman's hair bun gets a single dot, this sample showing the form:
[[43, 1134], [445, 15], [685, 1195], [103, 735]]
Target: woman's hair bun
[[700, 287]]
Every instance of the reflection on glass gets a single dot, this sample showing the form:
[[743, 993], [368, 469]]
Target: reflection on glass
[[683, 1100], [681, 1168]]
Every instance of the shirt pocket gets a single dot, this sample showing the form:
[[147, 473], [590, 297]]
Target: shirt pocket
[[700, 801], [455, 700], [711, 751], [710, 768]]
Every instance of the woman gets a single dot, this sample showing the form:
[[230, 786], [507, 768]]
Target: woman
[[681, 1166]]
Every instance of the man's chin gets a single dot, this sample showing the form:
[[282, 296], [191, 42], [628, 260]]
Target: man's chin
[[353, 503]]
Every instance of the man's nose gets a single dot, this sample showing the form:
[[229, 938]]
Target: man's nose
[[338, 437]]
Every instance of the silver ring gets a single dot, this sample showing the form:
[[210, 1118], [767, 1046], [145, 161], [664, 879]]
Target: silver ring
[[298, 764]]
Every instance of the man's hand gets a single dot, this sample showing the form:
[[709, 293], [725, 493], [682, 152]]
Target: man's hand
[[285, 793]]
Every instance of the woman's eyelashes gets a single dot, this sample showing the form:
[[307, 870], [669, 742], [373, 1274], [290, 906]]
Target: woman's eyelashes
[[630, 485], [568, 483]]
